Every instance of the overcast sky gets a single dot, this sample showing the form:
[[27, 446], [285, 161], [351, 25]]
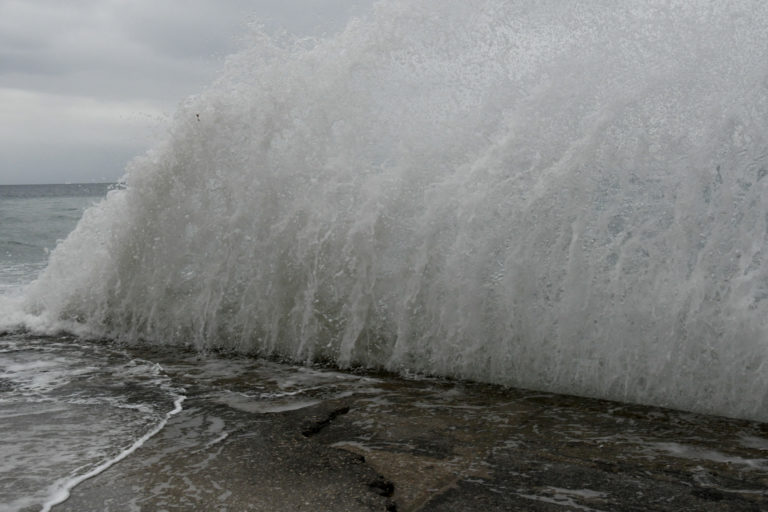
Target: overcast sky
[[87, 84]]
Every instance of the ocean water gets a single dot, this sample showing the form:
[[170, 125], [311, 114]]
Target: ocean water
[[67, 407], [70, 410], [568, 198]]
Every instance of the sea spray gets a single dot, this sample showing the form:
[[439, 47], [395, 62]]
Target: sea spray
[[560, 196]]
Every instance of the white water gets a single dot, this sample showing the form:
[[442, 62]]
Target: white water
[[63, 488], [70, 410], [561, 196]]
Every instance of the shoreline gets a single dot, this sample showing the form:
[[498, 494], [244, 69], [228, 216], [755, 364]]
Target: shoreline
[[362, 443]]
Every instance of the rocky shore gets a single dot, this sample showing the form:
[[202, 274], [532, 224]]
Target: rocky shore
[[255, 435]]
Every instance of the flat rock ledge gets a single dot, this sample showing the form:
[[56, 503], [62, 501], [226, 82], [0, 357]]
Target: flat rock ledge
[[403, 445]]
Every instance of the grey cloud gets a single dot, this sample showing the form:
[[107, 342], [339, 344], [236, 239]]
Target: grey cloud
[[73, 163], [96, 56], [31, 63], [21, 42], [116, 49], [201, 28], [83, 56]]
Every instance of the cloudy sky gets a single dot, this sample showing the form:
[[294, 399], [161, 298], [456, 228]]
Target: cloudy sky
[[87, 84]]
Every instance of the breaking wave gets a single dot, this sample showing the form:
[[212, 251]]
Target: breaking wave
[[561, 196]]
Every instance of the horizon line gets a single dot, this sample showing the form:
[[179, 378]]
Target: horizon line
[[65, 183]]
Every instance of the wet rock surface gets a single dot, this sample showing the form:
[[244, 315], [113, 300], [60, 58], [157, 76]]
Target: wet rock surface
[[255, 435]]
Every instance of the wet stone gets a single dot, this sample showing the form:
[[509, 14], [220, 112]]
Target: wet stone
[[6, 385], [346, 442]]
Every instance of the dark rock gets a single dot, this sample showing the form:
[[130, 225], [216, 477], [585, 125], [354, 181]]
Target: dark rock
[[315, 427], [382, 487]]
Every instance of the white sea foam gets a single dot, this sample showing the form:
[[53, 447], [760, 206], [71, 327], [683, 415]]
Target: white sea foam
[[249, 404], [562, 196], [61, 490], [686, 451], [69, 408]]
